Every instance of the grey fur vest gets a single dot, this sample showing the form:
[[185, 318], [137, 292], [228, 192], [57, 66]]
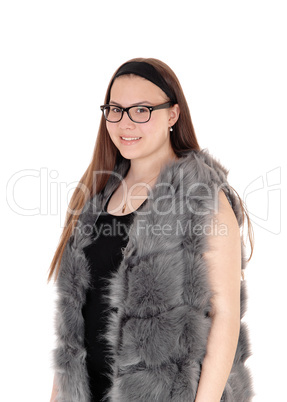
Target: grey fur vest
[[160, 296]]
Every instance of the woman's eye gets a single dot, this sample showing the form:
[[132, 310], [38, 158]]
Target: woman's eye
[[141, 110], [116, 110]]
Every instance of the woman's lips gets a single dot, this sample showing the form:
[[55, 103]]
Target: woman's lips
[[129, 142]]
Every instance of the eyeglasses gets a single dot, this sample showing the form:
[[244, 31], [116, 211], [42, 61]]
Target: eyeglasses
[[137, 114]]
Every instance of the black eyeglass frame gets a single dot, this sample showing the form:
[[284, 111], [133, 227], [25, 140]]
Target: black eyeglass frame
[[151, 109]]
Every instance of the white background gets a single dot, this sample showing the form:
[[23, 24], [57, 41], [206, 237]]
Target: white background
[[57, 58]]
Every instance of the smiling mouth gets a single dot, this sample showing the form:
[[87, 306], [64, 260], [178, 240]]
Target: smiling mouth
[[130, 139]]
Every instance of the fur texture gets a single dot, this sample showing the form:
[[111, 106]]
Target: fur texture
[[160, 296]]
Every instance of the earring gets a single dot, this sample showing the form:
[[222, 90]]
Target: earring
[[171, 129]]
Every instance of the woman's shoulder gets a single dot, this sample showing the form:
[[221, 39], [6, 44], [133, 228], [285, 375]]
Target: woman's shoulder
[[210, 160], [201, 165]]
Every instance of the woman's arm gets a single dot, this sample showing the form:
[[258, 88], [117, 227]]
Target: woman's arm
[[224, 261], [54, 391]]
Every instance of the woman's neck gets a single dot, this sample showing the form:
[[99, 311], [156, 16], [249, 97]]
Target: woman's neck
[[144, 169]]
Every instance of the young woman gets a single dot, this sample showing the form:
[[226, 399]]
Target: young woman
[[150, 262]]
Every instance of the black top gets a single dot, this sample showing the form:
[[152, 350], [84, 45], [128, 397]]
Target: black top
[[104, 255]]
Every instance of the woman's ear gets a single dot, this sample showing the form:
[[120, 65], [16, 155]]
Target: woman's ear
[[173, 115]]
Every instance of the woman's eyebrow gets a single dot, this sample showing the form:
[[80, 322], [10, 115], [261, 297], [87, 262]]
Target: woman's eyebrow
[[134, 104]]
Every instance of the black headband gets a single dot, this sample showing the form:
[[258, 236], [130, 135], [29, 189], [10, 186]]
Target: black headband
[[148, 72]]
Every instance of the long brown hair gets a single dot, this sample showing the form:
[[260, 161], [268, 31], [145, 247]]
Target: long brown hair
[[105, 156]]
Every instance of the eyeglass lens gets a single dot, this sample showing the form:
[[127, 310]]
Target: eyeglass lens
[[138, 114]]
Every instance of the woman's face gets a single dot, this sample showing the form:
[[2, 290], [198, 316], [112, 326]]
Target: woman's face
[[155, 134]]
